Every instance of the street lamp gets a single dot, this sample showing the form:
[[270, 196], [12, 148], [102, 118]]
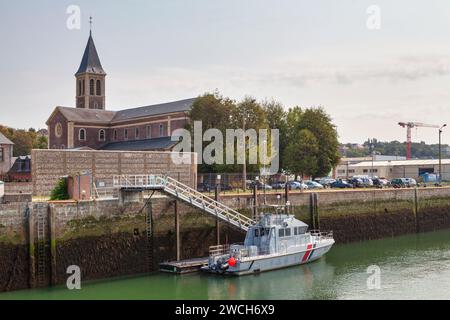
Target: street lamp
[[440, 154]]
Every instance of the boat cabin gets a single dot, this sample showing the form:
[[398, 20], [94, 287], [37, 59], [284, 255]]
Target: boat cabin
[[277, 233]]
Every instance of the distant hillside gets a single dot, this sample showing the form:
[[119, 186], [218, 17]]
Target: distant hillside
[[396, 148], [25, 140]]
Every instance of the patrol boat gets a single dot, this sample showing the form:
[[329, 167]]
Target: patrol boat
[[276, 241]]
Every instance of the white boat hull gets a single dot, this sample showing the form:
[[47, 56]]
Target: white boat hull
[[276, 261]]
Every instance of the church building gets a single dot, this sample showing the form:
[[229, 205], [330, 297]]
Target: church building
[[91, 125]]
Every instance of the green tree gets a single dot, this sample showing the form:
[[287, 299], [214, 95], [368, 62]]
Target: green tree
[[325, 154], [300, 155], [249, 114], [24, 140], [23, 143], [277, 119], [214, 111], [60, 191]]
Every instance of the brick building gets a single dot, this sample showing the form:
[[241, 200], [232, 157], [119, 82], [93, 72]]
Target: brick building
[[6, 155], [90, 125]]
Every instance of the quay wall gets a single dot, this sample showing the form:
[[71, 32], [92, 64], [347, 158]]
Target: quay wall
[[110, 238]]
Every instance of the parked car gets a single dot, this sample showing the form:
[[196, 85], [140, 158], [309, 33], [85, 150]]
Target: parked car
[[411, 182], [313, 185], [296, 185], [204, 187], [342, 184], [381, 182], [356, 182], [260, 185], [403, 183], [325, 182], [225, 187], [278, 185]]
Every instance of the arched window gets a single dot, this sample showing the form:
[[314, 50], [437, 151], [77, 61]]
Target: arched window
[[63, 146], [79, 88], [82, 87], [161, 130], [125, 133], [149, 131], [91, 87], [99, 88], [115, 135], [101, 135], [82, 135], [95, 105], [136, 133]]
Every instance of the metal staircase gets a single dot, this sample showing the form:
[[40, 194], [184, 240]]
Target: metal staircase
[[186, 194]]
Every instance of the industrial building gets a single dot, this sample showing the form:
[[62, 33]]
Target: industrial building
[[391, 169]]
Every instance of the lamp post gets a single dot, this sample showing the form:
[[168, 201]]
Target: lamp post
[[440, 154]]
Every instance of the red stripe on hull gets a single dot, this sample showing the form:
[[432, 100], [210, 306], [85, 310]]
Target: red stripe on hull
[[308, 251]]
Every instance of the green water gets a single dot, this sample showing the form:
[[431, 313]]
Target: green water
[[411, 267]]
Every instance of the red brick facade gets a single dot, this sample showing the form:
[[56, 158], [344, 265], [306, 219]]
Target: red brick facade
[[148, 128]]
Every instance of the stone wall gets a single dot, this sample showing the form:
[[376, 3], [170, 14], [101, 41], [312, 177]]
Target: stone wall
[[108, 238], [329, 197], [49, 165]]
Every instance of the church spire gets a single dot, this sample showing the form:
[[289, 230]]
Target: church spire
[[90, 63], [90, 78]]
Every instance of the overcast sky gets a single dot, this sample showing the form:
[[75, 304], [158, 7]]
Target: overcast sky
[[305, 53]]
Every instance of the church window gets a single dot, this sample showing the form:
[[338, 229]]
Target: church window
[[91, 87], [82, 135], [1, 155], [101, 135], [99, 88], [161, 130], [79, 87], [115, 135], [125, 133], [136, 133], [149, 131], [82, 88]]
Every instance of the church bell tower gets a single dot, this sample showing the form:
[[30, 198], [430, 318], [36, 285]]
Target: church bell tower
[[90, 79]]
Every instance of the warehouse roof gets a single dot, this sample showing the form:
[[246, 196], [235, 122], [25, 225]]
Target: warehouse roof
[[414, 162]]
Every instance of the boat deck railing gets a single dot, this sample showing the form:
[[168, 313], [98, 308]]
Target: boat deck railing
[[322, 234], [219, 250]]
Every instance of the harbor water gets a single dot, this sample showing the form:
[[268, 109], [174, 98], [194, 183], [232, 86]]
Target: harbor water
[[407, 267]]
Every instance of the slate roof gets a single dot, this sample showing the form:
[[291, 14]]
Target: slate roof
[[90, 61], [163, 143], [4, 140], [87, 115], [98, 116], [152, 110]]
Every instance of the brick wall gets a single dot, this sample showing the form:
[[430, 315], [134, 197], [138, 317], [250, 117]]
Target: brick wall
[[56, 142], [49, 165]]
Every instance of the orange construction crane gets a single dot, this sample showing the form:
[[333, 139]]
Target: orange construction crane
[[409, 126]]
